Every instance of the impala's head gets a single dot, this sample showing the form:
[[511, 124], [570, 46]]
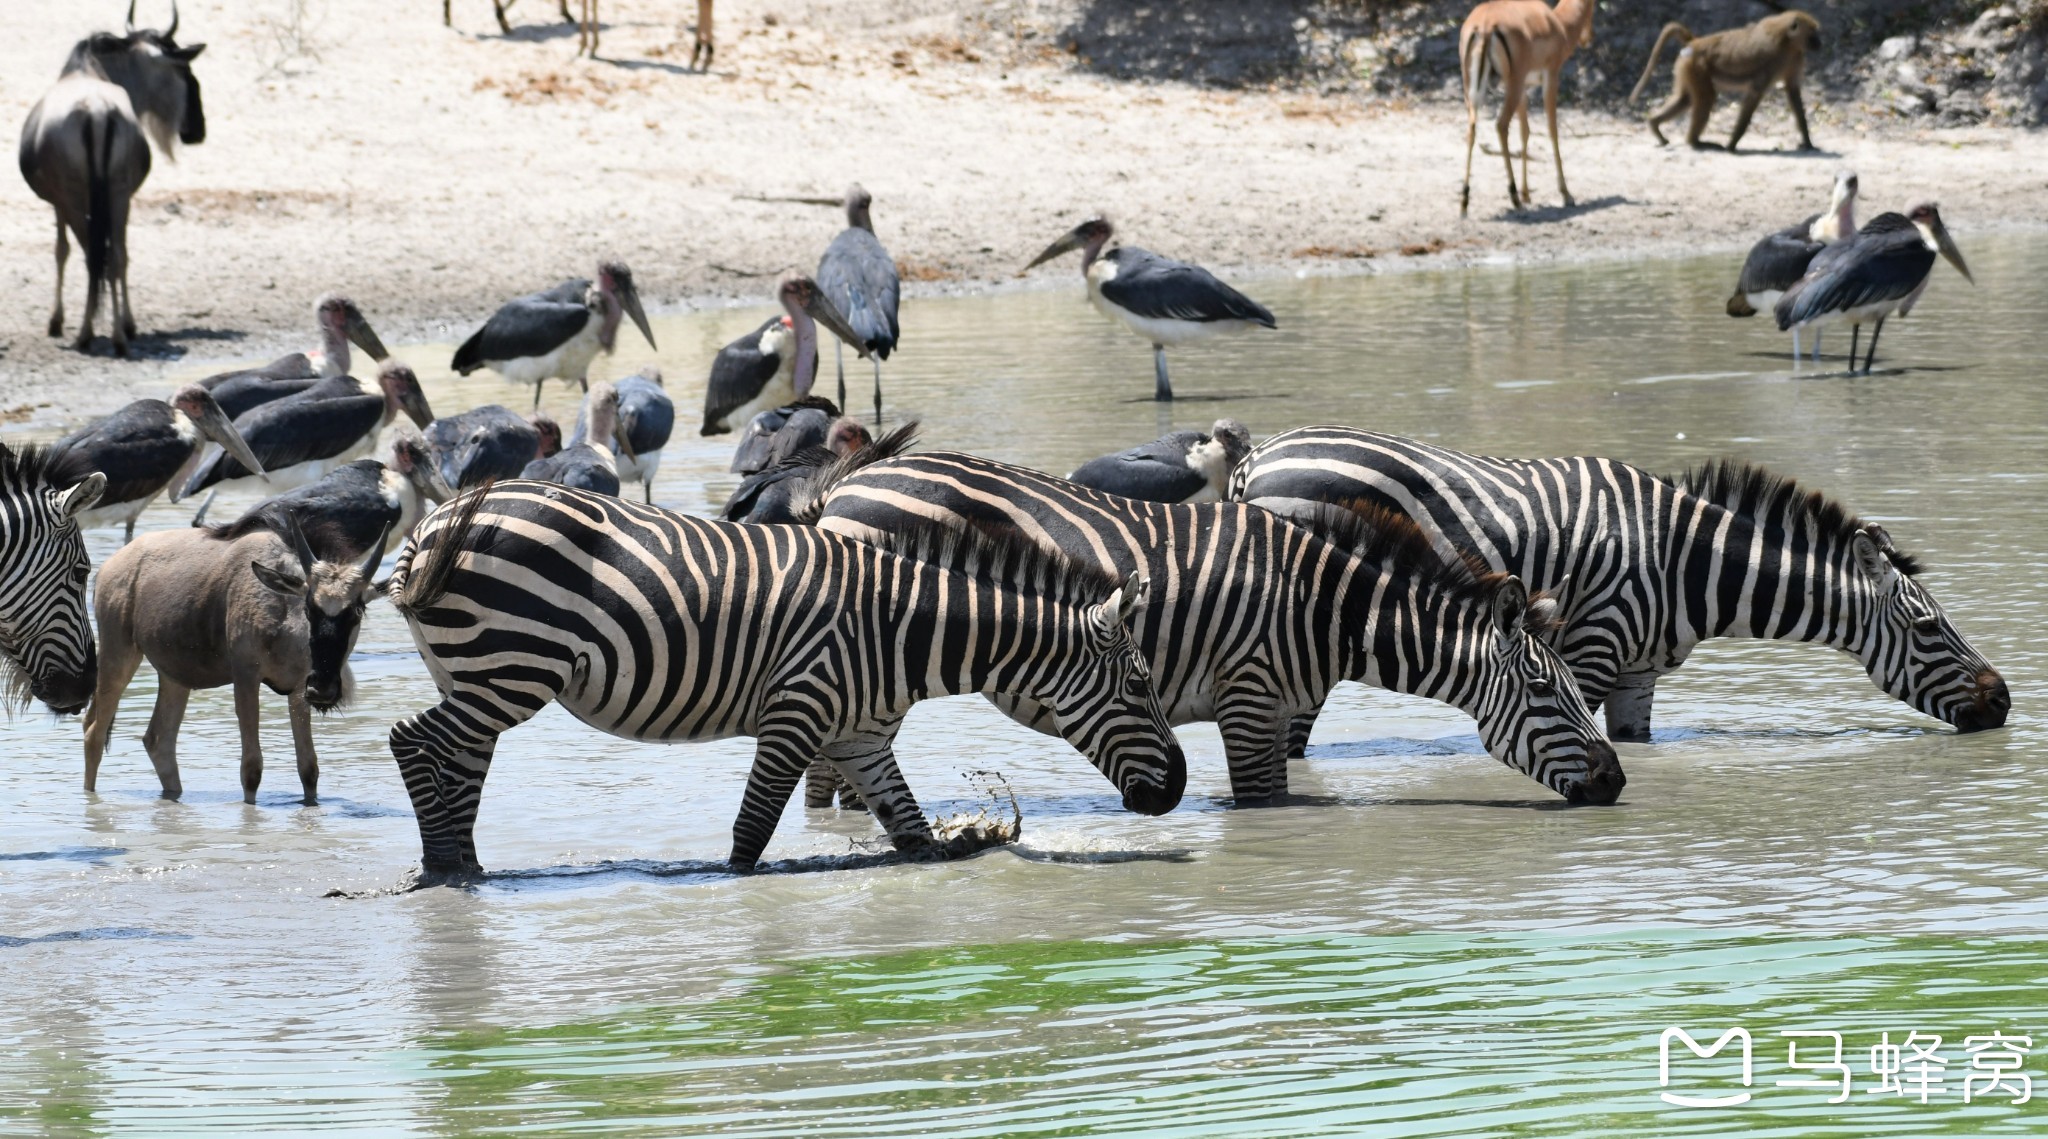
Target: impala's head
[[1910, 647]]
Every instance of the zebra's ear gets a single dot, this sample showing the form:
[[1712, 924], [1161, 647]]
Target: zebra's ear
[[1869, 548], [1510, 605], [1131, 597], [84, 494]]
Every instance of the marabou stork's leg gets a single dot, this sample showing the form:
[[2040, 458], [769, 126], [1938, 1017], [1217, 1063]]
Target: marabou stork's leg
[[536, 393], [1795, 347], [877, 362], [1855, 335], [129, 535], [1162, 387], [199, 519], [839, 358], [1816, 343], [1872, 357]]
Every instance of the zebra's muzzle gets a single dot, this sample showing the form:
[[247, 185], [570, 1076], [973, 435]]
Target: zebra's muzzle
[[66, 691], [1150, 799], [1604, 779], [1988, 708]]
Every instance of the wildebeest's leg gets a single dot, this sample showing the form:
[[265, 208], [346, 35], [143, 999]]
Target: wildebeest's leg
[[781, 752], [63, 255], [248, 716], [498, 7], [160, 739], [1254, 734], [868, 765], [302, 746], [119, 659]]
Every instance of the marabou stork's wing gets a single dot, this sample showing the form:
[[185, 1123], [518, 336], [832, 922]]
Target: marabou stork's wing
[[770, 495], [571, 291], [137, 448], [1871, 269], [529, 326], [341, 513], [1163, 289], [738, 374], [647, 412], [1155, 472], [287, 432], [1778, 261], [578, 467], [238, 391], [860, 278], [757, 438]]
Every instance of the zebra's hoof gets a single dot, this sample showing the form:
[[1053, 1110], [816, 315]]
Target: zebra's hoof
[[428, 875]]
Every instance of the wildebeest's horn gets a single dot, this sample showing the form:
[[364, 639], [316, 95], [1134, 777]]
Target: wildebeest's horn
[[299, 543], [172, 31], [376, 552], [131, 16]]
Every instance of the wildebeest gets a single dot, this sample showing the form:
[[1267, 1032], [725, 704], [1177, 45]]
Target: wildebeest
[[45, 644], [206, 612], [82, 151]]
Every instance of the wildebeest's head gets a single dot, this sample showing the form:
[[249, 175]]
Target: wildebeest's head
[[156, 73], [333, 594]]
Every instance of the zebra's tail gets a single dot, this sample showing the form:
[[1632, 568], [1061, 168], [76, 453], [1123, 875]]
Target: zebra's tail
[[810, 504], [415, 588]]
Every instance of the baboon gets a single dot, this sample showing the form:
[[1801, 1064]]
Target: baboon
[[1750, 59]]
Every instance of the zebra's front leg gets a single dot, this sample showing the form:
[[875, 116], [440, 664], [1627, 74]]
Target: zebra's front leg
[[1298, 731], [867, 764], [1255, 739], [1628, 707], [822, 781], [782, 750]]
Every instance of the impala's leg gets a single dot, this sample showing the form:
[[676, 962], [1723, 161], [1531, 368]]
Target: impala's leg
[[1557, 152], [498, 6], [302, 747], [248, 717], [447, 17], [160, 739], [566, 17], [781, 752], [63, 255], [1511, 93], [118, 661], [1471, 143], [1523, 119], [704, 46], [444, 754]]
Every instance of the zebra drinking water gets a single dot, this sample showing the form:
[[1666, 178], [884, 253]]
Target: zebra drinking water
[[1645, 568], [656, 626], [46, 646], [1252, 618]]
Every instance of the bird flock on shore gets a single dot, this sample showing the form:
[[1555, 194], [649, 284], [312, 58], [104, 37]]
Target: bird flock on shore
[[1204, 575]]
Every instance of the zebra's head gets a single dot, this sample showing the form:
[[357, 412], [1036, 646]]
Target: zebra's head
[[1103, 703], [334, 595], [1530, 712], [46, 646], [1912, 650]]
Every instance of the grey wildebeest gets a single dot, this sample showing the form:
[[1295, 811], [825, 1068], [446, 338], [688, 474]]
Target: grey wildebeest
[[46, 646], [206, 612], [82, 151]]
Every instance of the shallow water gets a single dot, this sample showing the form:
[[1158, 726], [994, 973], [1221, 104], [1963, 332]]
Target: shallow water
[[1422, 943]]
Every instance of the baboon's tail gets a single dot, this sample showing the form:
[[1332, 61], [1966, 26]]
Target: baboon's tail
[[1671, 29]]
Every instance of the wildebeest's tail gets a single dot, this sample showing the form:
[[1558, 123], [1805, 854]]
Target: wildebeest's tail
[[810, 506], [1671, 29], [416, 586], [99, 203]]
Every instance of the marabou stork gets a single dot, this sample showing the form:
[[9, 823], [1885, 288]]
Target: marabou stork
[[860, 277], [353, 507], [556, 332], [1882, 270], [1162, 300], [144, 448], [591, 466], [1184, 466], [647, 417], [340, 322], [489, 442], [770, 495], [301, 437], [805, 421], [1777, 262], [777, 362]]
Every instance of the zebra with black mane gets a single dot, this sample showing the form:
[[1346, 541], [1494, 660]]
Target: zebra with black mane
[[1252, 618], [1645, 567], [656, 626], [46, 643]]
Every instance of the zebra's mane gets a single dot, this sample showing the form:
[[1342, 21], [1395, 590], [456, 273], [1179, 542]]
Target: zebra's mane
[[810, 503], [1756, 492], [1394, 542], [37, 464], [1001, 558]]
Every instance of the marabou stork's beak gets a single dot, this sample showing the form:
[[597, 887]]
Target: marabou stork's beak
[[1936, 235], [625, 440], [214, 424], [826, 313], [1068, 242], [363, 336], [629, 299]]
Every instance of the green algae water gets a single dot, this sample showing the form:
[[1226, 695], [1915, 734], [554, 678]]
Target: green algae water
[[1418, 942]]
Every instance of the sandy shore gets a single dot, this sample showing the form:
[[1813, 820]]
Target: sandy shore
[[432, 173]]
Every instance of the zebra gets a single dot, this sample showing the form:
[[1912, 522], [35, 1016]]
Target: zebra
[[1647, 567], [46, 643], [1252, 618], [656, 626]]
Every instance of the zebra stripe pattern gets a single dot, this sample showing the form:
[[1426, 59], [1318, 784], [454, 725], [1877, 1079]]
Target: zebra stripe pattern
[[1252, 619], [657, 626], [1645, 567], [46, 644]]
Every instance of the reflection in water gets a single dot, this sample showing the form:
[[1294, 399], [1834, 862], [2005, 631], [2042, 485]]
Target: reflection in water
[[1411, 944]]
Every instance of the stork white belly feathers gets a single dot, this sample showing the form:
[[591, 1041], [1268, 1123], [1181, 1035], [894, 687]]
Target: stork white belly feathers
[[780, 390]]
